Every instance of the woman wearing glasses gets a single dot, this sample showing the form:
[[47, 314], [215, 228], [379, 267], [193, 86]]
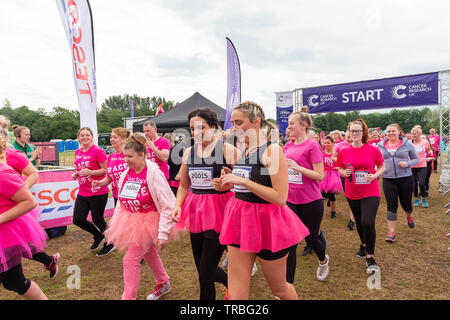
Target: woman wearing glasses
[[361, 164]]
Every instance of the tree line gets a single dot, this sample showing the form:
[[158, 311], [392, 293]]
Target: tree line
[[63, 123]]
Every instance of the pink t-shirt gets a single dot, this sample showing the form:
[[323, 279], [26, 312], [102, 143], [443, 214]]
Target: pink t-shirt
[[328, 163], [91, 160], [421, 149], [16, 160], [11, 183], [134, 195], [392, 149], [363, 160], [435, 140], [302, 189], [339, 146], [161, 144], [116, 165]]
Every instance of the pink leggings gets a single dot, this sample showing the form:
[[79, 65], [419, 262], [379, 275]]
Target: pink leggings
[[132, 269]]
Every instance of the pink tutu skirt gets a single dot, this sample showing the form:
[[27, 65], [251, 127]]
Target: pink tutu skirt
[[132, 229], [20, 238], [258, 226], [202, 212], [331, 183]]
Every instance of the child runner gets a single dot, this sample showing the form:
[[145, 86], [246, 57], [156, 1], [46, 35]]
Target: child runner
[[305, 171], [361, 164], [21, 235], [141, 222], [399, 156], [257, 222], [331, 184]]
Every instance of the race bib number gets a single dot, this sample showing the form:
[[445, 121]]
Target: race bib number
[[201, 178], [243, 172], [294, 176], [360, 177], [419, 149], [130, 190]]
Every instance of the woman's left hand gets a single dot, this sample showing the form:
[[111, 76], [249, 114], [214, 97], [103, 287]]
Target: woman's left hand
[[291, 164], [370, 177], [85, 172]]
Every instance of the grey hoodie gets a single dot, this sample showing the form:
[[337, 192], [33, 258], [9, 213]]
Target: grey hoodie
[[406, 153]]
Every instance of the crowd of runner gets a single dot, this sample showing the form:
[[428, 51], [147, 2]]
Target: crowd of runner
[[245, 193]]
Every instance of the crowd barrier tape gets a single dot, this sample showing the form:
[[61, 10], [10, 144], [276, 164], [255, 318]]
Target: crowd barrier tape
[[55, 194]]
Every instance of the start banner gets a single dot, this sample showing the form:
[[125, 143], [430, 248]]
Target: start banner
[[55, 194], [414, 90]]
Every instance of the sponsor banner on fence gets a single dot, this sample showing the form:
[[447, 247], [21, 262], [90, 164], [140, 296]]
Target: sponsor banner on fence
[[415, 90], [285, 106], [55, 194]]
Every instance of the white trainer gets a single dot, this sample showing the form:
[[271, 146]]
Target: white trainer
[[323, 270]]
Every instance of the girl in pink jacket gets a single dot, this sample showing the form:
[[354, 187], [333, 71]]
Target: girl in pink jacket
[[142, 219]]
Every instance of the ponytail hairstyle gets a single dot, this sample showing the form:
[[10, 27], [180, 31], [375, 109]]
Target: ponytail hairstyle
[[304, 117], [417, 128], [365, 129], [137, 143], [81, 129], [121, 132], [17, 130], [253, 110], [207, 114], [329, 138]]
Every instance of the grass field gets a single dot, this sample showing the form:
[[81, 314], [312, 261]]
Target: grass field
[[415, 267]]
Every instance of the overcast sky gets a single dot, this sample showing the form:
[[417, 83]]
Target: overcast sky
[[174, 48]]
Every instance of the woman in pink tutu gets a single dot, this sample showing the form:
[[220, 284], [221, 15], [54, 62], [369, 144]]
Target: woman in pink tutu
[[201, 210], [19, 162], [257, 222], [142, 221], [331, 184], [21, 235], [305, 171]]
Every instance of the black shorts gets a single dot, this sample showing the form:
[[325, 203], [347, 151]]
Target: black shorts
[[267, 254]]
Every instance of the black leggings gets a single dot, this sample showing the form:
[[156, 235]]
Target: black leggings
[[311, 215], [419, 175], [393, 190], [14, 280], [428, 176], [96, 205], [365, 213], [207, 252]]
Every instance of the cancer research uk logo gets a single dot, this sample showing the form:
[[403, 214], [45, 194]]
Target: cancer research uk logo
[[395, 92], [312, 100], [401, 91]]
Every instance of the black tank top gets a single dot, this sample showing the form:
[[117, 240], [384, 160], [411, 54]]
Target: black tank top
[[201, 171], [252, 167]]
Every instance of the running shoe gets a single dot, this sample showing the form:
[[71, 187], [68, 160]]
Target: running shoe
[[390, 237], [371, 265], [227, 295], [361, 252], [97, 243], [410, 220], [424, 203], [351, 225], [107, 248], [323, 270], [333, 214], [416, 203], [306, 250], [159, 291], [53, 267]]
